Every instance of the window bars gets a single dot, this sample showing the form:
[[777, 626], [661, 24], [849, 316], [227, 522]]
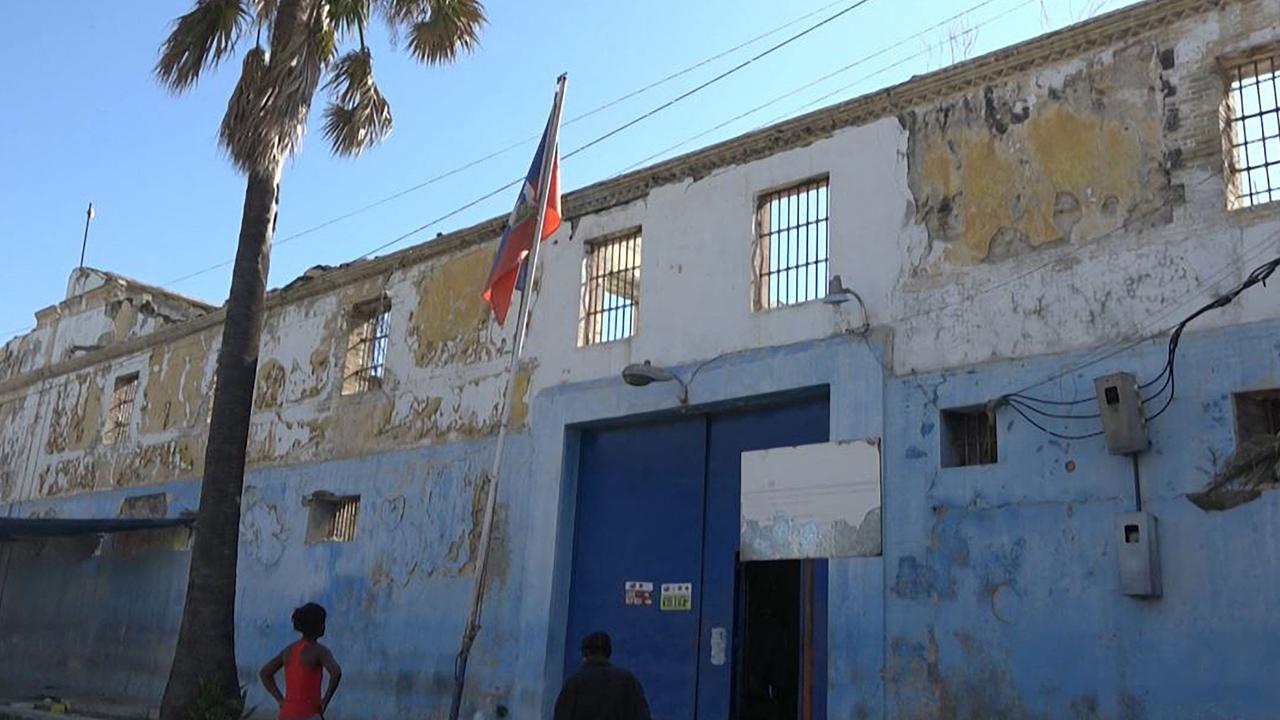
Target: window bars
[[610, 289], [1257, 415], [1253, 115], [969, 437], [332, 518], [791, 245], [367, 346], [344, 520], [120, 411]]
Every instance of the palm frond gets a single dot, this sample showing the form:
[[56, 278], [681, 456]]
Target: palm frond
[[349, 75], [294, 72], [245, 133], [200, 39], [404, 11], [350, 16], [359, 116], [264, 11], [1253, 467], [452, 26]]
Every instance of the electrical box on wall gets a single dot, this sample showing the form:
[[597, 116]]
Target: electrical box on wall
[[1123, 421], [1138, 554]]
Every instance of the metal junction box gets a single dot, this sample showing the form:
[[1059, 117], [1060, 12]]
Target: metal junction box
[[1138, 554], [1123, 421]]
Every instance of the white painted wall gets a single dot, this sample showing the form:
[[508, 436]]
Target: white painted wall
[[696, 279]]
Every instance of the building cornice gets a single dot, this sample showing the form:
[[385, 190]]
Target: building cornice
[[1103, 31]]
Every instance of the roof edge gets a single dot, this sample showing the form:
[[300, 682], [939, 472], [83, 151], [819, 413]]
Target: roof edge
[[1073, 40]]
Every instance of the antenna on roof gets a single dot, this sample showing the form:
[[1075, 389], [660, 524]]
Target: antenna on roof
[[88, 218]]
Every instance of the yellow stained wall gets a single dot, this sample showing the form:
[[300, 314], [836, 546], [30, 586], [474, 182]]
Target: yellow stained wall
[[1010, 168]]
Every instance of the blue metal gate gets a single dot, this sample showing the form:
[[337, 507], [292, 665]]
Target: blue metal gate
[[658, 504]]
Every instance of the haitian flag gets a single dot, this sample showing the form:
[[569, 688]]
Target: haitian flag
[[517, 236]]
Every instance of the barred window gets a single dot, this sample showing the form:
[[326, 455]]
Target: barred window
[[791, 245], [968, 437], [1253, 132], [367, 346], [610, 289], [1257, 417], [332, 518], [116, 425]]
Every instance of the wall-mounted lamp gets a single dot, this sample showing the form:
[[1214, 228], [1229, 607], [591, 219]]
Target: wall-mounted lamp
[[838, 294], [641, 374]]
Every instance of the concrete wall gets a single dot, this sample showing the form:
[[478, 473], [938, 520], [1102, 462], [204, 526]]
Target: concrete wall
[[1002, 220], [1002, 593]]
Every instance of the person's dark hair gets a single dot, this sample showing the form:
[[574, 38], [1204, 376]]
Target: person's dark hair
[[309, 620], [597, 644]]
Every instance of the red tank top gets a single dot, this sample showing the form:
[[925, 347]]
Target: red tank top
[[301, 686]]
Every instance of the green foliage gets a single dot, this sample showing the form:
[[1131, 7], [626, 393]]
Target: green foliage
[[211, 704], [267, 114]]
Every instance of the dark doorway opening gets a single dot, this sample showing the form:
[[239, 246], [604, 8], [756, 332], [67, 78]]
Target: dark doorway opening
[[775, 641]]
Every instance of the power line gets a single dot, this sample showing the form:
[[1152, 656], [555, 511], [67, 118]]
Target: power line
[[631, 123], [839, 71], [1144, 333], [18, 331], [442, 218], [515, 145], [1258, 276], [717, 78], [1047, 431], [697, 65]]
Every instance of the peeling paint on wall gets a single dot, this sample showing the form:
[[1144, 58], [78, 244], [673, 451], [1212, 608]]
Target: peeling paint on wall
[[175, 387], [1018, 166], [76, 416], [451, 322]]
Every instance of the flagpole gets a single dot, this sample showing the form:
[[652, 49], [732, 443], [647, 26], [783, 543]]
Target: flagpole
[[549, 154]]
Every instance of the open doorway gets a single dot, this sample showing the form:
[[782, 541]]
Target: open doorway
[[658, 504], [776, 635]]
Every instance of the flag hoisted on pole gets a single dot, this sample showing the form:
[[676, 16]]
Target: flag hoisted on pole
[[535, 217], [534, 208]]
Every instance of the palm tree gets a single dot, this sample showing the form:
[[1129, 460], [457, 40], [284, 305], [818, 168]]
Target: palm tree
[[264, 124]]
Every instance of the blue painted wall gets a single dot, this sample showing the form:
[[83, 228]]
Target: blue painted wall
[[1002, 594], [997, 595], [103, 626]]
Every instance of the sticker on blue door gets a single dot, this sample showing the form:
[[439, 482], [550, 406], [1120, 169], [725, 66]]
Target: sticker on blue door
[[677, 597]]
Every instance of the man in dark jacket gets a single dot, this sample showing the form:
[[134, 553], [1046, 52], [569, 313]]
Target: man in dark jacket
[[598, 690]]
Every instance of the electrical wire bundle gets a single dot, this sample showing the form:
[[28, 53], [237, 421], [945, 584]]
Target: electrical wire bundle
[[1028, 405], [1259, 276]]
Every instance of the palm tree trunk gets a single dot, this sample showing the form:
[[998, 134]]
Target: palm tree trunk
[[206, 641]]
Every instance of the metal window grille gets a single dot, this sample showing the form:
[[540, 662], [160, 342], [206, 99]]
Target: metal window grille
[[332, 518], [367, 346], [969, 437], [344, 520], [792, 245], [1257, 416], [610, 290], [1254, 132], [120, 411]]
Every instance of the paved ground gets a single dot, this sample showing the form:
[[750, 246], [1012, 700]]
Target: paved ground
[[86, 710]]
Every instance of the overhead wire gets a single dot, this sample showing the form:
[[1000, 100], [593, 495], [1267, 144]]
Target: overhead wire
[[1144, 332], [630, 123], [706, 84], [839, 71], [1259, 276], [1047, 431]]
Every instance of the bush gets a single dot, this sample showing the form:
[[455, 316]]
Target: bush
[[211, 704]]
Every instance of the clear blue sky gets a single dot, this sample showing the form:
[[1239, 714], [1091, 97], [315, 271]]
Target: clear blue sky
[[85, 121]]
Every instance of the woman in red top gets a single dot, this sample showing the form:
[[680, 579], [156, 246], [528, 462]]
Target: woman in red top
[[304, 662]]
